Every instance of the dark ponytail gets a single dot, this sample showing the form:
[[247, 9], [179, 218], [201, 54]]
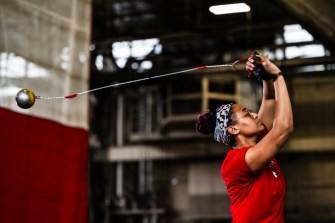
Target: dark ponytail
[[206, 123]]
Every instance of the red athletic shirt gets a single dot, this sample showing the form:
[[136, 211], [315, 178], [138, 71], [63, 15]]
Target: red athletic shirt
[[255, 198]]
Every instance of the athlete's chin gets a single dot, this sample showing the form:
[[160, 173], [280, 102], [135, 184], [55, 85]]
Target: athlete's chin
[[261, 127]]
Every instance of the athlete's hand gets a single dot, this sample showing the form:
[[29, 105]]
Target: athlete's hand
[[261, 67]]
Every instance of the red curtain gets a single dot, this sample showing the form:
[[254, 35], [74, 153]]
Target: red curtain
[[43, 170]]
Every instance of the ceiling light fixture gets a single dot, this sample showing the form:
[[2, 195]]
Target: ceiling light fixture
[[229, 8]]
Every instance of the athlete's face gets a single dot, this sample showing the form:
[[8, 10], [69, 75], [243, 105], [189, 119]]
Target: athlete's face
[[246, 120]]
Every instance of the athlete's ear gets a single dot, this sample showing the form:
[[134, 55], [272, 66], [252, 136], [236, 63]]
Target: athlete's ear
[[233, 130]]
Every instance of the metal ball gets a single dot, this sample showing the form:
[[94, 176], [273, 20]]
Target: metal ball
[[25, 98]]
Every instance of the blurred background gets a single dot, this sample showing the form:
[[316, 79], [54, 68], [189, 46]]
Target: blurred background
[[130, 153]]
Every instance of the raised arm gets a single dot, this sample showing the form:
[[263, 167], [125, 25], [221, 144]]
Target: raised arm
[[267, 109], [260, 154]]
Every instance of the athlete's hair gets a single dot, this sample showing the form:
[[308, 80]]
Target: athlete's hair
[[207, 122]]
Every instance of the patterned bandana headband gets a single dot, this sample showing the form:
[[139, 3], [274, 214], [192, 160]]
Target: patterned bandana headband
[[221, 127]]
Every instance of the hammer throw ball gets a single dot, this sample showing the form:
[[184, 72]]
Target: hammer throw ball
[[25, 98]]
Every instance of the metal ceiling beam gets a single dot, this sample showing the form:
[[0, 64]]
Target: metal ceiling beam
[[316, 16]]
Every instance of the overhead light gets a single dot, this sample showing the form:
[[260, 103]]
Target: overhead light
[[229, 8]]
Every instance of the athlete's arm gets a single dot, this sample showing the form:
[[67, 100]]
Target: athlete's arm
[[267, 109], [260, 154]]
